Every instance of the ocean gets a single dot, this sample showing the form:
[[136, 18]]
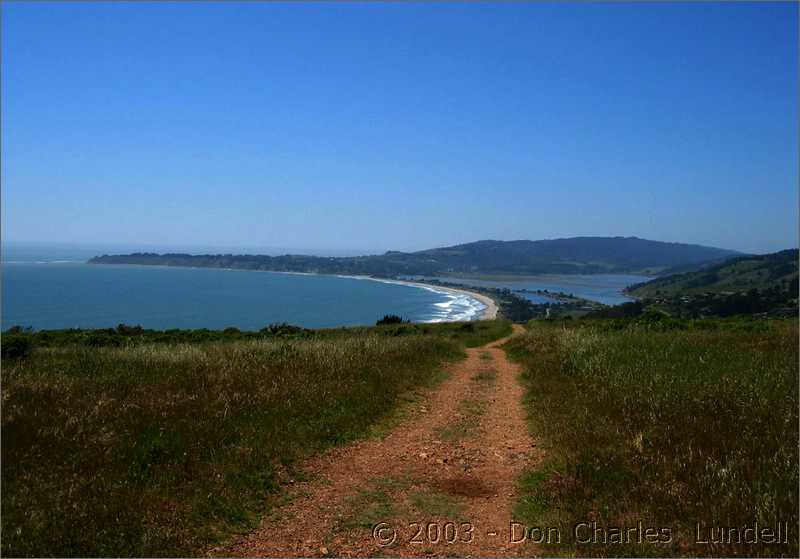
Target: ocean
[[67, 294], [50, 288]]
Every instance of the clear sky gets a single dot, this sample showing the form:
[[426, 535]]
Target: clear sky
[[399, 126]]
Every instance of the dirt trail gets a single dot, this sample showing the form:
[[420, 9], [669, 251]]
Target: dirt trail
[[442, 482]]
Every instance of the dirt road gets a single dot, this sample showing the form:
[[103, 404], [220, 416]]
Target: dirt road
[[442, 481]]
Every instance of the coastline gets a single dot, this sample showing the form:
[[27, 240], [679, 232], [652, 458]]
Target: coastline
[[489, 312]]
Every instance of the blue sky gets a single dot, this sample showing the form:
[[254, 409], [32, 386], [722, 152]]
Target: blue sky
[[399, 126]]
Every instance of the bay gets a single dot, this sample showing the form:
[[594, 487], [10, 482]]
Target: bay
[[68, 294]]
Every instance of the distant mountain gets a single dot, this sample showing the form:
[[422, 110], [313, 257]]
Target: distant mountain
[[767, 272], [572, 255], [586, 255]]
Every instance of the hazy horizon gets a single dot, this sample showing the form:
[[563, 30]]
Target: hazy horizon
[[98, 247], [323, 128]]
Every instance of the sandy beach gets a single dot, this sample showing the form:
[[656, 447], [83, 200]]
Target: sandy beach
[[489, 313]]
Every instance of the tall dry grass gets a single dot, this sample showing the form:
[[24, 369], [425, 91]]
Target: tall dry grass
[[160, 449], [696, 422]]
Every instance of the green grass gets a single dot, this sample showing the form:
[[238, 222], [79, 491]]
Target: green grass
[[403, 408], [466, 423], [397, 500], [164, 448], [431, 503], [485, 376], [694, 422], [469, 334], [373, 504], [382, 500]]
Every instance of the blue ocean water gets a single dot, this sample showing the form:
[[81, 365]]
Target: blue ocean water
[[53, 287], [64, 293], [603, 288]]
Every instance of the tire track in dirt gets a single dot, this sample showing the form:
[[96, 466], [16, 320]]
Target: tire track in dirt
[[443, 481]]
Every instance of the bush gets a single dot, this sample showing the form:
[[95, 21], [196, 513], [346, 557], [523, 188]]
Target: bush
[[282, 329], [16, 346], [626, 310], [125, 330], [102, 338], [390, 319]]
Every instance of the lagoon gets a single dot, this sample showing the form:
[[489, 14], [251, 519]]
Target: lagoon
[[603, 288]]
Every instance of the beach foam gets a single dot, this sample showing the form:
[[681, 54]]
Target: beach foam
[[459, 306]]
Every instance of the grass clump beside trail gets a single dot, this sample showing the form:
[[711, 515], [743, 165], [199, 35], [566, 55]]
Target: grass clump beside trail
[[162, 448], [390, 499], [468, 418], [668, 424]]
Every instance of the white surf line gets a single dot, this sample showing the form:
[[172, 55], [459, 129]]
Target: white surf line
[[479, 307], [484, 308]]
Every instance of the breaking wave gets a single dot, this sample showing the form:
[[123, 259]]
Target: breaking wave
[[457, 307]]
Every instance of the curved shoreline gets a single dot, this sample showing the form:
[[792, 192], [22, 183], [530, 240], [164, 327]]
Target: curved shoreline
[[489, 312]]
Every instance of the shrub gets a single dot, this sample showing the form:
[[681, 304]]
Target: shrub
[[390, 319], [16, 346], [125, 330], [102, 338], [282, 329]]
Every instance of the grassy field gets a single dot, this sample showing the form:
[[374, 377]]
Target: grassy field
[[143, 446], [671, 424]]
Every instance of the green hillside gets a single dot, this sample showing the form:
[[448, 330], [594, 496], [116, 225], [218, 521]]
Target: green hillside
[[587, 255], [777, 271]]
